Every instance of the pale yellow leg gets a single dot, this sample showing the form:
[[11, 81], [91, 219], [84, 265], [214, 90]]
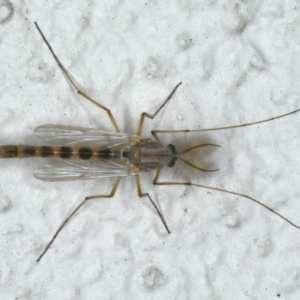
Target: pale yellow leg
[[144, 114], [141, 194], [75, 210], [66, 73]]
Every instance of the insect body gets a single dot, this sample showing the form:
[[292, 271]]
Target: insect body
[[85, 153], [80, 153], [89, 153]]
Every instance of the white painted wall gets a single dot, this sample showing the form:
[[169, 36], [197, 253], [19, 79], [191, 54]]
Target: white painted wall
[[239, 62]]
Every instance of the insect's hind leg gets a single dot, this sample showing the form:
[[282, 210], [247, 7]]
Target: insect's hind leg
[[75, 210], [144, 114], [141, 194], [66, 73]]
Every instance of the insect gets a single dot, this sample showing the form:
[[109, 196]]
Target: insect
[[81, 153]]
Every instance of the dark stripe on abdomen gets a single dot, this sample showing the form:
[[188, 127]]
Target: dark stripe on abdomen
[[26, 151], [8, 151], [105, 153], [85, 153], [46, 151], [65, 152]]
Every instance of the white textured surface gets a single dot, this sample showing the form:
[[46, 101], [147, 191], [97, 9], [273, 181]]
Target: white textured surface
[[239, 62]]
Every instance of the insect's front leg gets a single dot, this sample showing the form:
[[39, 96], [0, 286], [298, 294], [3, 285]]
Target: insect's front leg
[[144, 114]]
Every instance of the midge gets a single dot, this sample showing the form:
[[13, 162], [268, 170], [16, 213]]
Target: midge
[[82, 153]]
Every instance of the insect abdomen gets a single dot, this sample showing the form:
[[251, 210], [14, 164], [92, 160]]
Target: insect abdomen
[[64, 152], [22, 151]]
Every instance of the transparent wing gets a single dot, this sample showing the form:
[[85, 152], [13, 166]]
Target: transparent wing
[[63, 170], [59, 170], [61, 135]]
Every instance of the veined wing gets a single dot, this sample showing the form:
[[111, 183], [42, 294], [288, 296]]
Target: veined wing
[[63, 170], [59, 170], [79, 136]]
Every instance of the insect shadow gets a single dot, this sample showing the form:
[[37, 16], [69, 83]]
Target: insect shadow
[[83, 153]]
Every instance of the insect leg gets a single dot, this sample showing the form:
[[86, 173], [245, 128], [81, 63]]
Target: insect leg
[[155, 182], [155, 132], [66, 73], [141, 194], [144, 114], [75, 210]]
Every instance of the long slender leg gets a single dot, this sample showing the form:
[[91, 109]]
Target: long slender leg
[[75, 210], [155, 132], [144, 114], [155, 182], [141, 194], [66, 73]]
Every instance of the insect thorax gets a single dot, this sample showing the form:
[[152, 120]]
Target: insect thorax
[[151, 155]]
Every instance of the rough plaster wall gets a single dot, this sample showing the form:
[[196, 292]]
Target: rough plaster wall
[[239, 62]]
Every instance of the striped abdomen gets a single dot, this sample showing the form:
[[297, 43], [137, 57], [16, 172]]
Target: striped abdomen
[[65, 152]]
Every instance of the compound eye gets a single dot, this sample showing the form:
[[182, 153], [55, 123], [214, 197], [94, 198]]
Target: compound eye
[[172, 162], [172, 148]]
